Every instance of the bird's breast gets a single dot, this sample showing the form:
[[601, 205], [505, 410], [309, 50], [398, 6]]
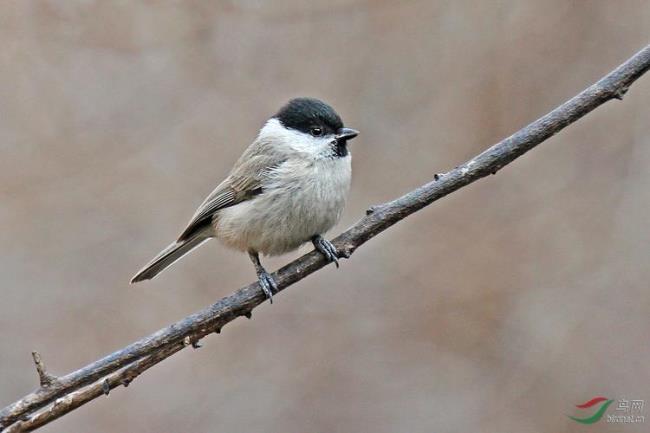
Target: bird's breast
[[299, 200]]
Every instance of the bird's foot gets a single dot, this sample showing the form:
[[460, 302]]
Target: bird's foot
[[326, 248], [268, 284]]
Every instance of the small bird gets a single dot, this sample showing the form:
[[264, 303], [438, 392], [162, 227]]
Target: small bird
[[289, 187]]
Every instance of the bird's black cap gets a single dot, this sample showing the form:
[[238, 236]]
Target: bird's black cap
[[305, 113]]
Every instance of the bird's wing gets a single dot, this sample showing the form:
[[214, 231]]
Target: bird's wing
[[243, 183]]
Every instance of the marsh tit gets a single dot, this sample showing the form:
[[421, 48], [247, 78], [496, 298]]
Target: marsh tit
[[288, 188]]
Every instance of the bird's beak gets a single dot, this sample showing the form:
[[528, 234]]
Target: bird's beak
[[346, 134]]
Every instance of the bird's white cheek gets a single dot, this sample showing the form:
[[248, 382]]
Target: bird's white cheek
[[309, 145], [296, 142]]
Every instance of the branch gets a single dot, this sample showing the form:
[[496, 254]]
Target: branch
[[76, 399], [61, 395]]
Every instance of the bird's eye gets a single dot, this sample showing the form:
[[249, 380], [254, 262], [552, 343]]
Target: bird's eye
[[316, 132]]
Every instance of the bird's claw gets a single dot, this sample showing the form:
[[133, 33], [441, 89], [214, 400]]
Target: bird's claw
[[268, 285], [326, 248]]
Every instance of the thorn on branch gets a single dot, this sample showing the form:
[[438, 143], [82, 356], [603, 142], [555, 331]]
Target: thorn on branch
[[249, 315], [106, 387], [345, 251], [128, 378], [618, 94], [376, 208], [45, 379], [190, 341], [217, 331], [438, 176]]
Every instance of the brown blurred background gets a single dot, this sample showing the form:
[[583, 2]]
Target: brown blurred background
[[497, 309]]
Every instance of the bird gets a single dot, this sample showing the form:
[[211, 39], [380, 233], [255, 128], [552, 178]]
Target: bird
[[288, 188]]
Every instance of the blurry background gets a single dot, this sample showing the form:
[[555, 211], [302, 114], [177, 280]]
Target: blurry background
[[496, 309]]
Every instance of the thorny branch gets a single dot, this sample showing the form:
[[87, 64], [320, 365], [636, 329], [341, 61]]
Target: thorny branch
[[75, 399], [57, 396]]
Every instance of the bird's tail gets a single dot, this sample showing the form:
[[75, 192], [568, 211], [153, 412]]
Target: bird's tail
[[169, 255]]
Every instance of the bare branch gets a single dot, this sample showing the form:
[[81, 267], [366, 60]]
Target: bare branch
[[145, 353], [72, 401]]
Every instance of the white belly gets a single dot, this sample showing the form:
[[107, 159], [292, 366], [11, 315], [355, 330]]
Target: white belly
[[302, 200]]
